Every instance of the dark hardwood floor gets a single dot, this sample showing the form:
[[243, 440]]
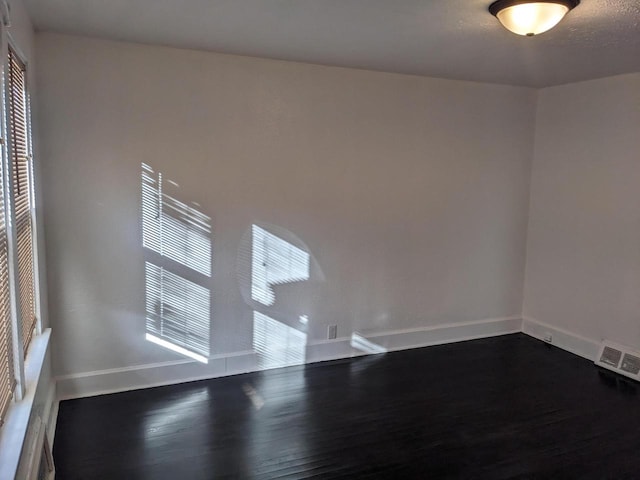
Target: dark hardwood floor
[[504, 407]]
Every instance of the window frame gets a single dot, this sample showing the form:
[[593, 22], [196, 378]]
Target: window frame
[[31, 372], [11, 44], [18, 350]]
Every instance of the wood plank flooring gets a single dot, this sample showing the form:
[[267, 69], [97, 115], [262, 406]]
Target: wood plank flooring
[[504, 407]]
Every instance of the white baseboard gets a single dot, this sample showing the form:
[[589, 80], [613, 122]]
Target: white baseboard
[[115, 380], [145, 376], [569, 341], [394, 340]]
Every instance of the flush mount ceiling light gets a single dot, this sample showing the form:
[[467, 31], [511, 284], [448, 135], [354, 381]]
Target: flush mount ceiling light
[[529, 18]]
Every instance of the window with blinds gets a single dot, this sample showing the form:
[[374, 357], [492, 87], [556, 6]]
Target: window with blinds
[[7, 381], [18, 298], [21, 190]]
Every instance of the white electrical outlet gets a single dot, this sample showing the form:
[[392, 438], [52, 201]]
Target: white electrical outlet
[[332, 332], [548, 337]]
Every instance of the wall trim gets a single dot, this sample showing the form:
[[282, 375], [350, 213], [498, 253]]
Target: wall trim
[[51, 412], [102, 382], [114, 380], [564, 339], [144, 366], [15, 431], [394, 340]]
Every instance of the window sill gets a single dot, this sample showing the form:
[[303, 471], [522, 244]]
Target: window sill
[[13, 433]]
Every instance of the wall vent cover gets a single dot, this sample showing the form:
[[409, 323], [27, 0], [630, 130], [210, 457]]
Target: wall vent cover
[[620, 359], [630, 364]]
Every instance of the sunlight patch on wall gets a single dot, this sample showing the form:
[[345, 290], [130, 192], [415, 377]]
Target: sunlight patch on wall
[[277, 344], [176, 238], [177, 313], [172, 228], [274, 261], [281, 281], [367, 346], [175, 348]]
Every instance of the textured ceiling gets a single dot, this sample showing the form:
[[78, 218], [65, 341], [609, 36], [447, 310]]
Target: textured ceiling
[[455, 39]]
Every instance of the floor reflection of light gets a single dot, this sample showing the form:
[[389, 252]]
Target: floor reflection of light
[[175, 416], [285, 397], [277, 344], [367, 346], [253, 395], [274, 261]]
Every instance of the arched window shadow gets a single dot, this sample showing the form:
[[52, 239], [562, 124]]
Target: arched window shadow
[[277, 277]]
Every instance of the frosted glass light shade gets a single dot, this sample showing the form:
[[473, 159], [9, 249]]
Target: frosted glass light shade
[[530, 18]]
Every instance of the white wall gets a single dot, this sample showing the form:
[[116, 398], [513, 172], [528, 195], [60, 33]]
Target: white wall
[[583, 260], [21, 29], [411, 193]]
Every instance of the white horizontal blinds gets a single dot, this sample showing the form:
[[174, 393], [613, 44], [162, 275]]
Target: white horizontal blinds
[[7, 382], [21, 192]]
